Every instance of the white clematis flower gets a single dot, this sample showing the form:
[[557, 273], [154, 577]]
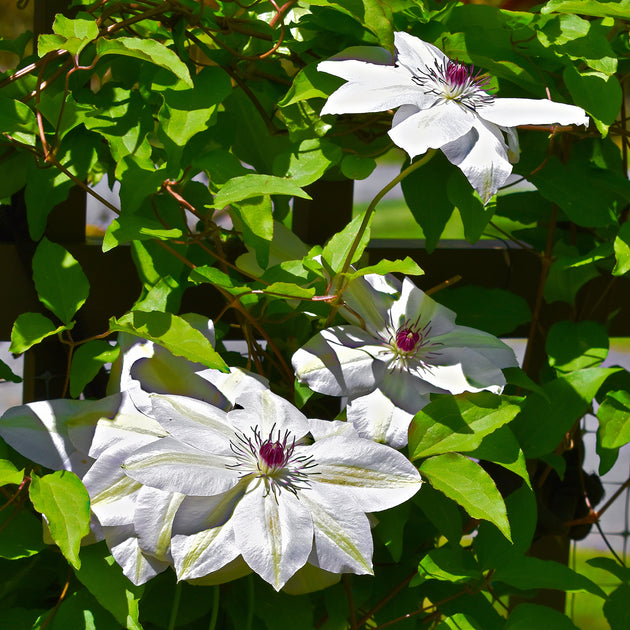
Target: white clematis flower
[[400, 347], [443, 104], [265, 485]]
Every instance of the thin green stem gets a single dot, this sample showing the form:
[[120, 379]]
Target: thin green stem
[[250, 602], [177, 596], [366, 221], [216, 594]]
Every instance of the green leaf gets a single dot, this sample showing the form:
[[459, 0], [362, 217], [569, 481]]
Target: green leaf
[[543, 422], [614, 420], [428, 202], [128, 228], [87, 360], [17, 121], [173, 333], [616, 607], [622, 250], [100, 574], [338, 246], [496, 311], [600, 95], [501, 447], [469, 485], [289, 289], [573, 346], [566, 277], [457, 423], [616, 8], [255, 185], [459, 621], [310, 83], [218, 278], [21, 533], [408, 267], [449, 564], [9, 473], [357, 167], [254, 217], [612, 566], [6, 373], [528, 616], [475, 215], [527, 572], [82, 27], [59, 280], [80, 611], [64, 501], [583, 193], [441, 511], [147, 50], [29, 329]]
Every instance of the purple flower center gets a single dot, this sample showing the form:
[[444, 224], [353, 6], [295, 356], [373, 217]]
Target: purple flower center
[[275, 454], [406, 339], [453, 81]]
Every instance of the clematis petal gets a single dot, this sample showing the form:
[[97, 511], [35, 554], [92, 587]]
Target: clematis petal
[[153, 520], [414, 306], [203, 553], [511, 112], [432, 128], [376, 417], [268, 412], [343, 541], [137, 567], [409, 389], [39, 431], [177, 467], [193, 422], [273, 533], [415, 54], [337, 361], [320, 429], [368, 300], [377, 476], [481, 155]]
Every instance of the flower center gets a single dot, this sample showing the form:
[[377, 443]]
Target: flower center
[[453, 81], [272, 459], [406, 339]]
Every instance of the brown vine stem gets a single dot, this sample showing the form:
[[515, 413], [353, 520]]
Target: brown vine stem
[[595, 515], [544, 272], [62, 596], [399, 587], [351, 609]]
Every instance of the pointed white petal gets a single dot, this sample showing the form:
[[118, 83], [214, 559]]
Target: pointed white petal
[[202, 554], [38, 431], [268, 411], [482, 156], [176, 467], [310, 579], [340, 361], [233, 570], [138, 567], [409, 389], [320, 429], [368, 300], [235, 383], [417, 308], [378, 476], [376, 417], [193, 422], [511, 112], [343, 540], [415, 54], [274, 533], [432, 128], [153, 520]]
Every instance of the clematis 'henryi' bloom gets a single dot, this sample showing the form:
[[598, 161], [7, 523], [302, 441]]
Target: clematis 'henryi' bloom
[[443, 104], [400, 347], [263, 484]]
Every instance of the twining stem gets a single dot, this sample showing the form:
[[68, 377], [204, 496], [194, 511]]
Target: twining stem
[[216, 593], [177, 596], [544, 272], [370, 209], [351, 608], [367, 216]]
